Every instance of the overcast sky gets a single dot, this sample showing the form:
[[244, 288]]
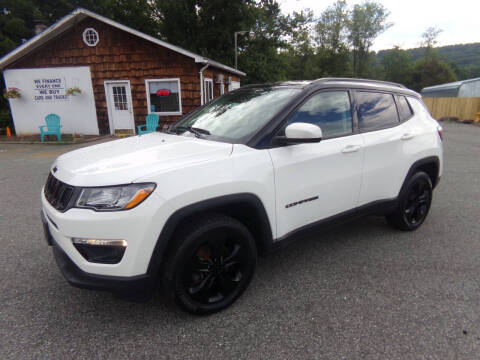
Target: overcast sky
[[459, 20]]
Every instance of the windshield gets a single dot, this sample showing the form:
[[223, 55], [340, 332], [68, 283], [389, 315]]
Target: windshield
[[237, 115]]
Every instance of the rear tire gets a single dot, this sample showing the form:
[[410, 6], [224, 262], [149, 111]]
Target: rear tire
[[211, 264], [414, 203]]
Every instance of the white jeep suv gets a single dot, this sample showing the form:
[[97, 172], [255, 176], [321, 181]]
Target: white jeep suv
[[189, 209]]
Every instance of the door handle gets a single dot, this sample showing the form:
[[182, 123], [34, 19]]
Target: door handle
[[350, 149], [407, 136]]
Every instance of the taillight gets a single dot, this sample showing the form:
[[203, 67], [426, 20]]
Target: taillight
[[440, 132]]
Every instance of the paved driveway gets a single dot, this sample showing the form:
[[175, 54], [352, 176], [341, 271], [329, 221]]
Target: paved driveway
[[362, 291]]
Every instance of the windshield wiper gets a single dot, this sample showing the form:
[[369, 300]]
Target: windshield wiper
[[201, 131], [194, 130]]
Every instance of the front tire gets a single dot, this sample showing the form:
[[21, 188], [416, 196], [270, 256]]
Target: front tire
[[414, 203], [211, 264]]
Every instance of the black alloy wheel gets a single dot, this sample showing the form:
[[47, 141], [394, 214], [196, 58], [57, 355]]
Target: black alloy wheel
[[414, 203], [417, 202], [212, 264], [216, 268]]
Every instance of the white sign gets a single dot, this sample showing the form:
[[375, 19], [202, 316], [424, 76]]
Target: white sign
[[43, 92], [49, 89]]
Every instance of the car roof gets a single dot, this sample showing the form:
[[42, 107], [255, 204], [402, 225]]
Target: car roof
[[340, 82]]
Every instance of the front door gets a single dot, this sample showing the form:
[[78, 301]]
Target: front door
[[319, 180], [119, 101]]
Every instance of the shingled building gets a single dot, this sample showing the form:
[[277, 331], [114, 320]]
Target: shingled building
[[122, 75]]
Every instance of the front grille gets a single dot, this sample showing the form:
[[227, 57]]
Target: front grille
[[57, 193]]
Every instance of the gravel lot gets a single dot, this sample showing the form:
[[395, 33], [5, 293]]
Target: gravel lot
[[362, 291]]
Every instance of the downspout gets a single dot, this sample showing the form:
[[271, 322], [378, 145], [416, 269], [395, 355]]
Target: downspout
[[201, 82]]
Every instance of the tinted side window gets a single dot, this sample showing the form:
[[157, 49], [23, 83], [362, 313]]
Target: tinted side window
[[375, 110], [331, 111], [404, 110]]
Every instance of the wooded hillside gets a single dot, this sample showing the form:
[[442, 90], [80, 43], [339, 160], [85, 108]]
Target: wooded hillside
[[464, 58]]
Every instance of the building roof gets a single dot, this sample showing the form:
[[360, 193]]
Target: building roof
[[451, 88], [75, 16]]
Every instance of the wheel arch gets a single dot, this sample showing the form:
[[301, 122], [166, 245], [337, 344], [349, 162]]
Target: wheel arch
[[429, 165], [245, 207]]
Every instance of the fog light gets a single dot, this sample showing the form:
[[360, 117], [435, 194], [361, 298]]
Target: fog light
[[101, 250]]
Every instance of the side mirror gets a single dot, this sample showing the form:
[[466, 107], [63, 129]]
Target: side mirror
[[299, 133]]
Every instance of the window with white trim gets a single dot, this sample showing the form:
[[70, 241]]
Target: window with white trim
[[208, 90], [164, 96], [120, 97], [90, 37]]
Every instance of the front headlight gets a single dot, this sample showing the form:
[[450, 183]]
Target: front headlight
[[114, 198]]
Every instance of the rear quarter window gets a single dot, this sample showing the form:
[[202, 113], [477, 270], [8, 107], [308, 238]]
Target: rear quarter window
[[376, 111], [418, 106], [404, 109]]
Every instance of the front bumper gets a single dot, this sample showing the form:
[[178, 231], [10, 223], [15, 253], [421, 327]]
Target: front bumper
[[140, 286], [140, 227]]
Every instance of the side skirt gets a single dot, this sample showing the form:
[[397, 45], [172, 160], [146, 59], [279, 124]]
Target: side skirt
[[380, 207]]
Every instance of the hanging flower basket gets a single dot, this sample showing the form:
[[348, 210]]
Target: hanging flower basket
[[73, 91], [11, 93]]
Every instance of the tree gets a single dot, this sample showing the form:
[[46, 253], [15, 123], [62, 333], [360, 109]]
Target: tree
[[332, 40], [331, 29], [430, 36], [397, 66], [204, 26], [261, 56], [16, 23], [299, 56], [431, 70], [367, 21]]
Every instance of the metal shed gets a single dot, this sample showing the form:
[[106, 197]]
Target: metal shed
[[463, 88]]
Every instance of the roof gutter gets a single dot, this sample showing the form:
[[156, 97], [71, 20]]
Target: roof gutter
[[218, 65], [201, 81]]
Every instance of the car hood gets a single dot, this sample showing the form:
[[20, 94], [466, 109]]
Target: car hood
[[122, 161]]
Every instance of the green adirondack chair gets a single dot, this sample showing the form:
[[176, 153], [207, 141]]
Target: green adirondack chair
[[150, 126], [52, 128]]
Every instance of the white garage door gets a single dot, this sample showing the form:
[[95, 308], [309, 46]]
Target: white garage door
[[43, 91]]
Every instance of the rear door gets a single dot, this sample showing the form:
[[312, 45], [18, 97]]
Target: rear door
[[317, 180], [386, 141]]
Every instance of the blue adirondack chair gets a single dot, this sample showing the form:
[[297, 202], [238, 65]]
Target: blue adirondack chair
[[52, 128], [150, 126]]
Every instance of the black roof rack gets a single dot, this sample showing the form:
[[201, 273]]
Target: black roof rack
[[380, 82]]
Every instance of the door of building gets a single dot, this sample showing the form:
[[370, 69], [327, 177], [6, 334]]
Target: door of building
[[119, 102]]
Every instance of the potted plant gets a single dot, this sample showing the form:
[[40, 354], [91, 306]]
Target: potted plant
[[11, 93], [73, 91]]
